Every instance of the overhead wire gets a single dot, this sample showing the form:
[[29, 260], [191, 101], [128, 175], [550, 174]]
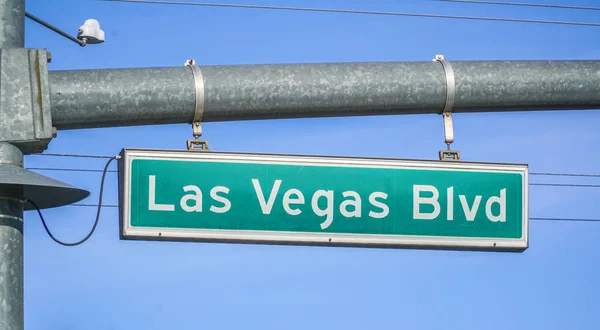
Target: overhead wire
[[94, 205], [564, 219], [566, 185], [69, 169], [530, 218], [352, 11], [73, 155], [521, 4], [574, 185], [566, 174], [111, 158], [59, 169], [102, 156]]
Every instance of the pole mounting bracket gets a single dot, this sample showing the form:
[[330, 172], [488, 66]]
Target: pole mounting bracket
[[196, 144], [447, 112]]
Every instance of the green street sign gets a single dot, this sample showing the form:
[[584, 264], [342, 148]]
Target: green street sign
[[284, 199]]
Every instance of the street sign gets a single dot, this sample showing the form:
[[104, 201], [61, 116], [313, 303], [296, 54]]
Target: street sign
[[285, 199]]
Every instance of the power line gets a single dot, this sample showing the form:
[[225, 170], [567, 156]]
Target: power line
[[531, 218], [73, 155], [107, 157], [69, 169], [565, 219], [566, 185], [348, 11], [521, 4], [115, 171], [566, 174], [94, 205], [58, 169]]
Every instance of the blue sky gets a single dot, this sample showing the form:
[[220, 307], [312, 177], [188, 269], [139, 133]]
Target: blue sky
[[111, 284]]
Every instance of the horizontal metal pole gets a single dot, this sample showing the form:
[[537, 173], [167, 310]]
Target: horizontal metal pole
[[145, 96]]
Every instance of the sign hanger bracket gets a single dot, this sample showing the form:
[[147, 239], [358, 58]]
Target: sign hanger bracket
[[447, 112], [197, 144]]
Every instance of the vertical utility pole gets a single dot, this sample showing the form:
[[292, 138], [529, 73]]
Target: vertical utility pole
[[12, 35], [25, 128]]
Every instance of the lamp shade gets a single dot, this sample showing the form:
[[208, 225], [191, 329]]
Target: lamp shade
[[42, 190]]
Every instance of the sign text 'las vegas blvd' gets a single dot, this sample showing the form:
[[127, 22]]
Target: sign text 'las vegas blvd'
[[284, 199]]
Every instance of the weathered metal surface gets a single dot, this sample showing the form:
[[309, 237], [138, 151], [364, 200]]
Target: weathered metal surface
[[12, 35], [12, 23], [122, 97], [145, 96], [11, 245], [25, 99], [11, 267]]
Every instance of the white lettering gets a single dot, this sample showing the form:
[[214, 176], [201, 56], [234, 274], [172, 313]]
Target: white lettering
[[266, 207], [450, 197], [214, 193], [287, 200], [196, 197], [152, 205], [501, 217], [356, 203], [470, 213], [418, 200], [328, 212], [385, 210]]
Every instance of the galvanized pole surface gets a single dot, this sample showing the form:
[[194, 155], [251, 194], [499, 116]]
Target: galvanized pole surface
[[11, 245], [146, 96], [12, 32], [12, 23]]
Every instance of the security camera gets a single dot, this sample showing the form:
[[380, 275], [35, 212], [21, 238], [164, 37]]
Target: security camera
[[90, 32]]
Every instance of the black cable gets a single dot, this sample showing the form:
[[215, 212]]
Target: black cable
[[521, 4], [97, 214], [348, 11]]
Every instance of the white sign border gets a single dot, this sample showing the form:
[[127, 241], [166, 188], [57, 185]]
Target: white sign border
[[127, 232]]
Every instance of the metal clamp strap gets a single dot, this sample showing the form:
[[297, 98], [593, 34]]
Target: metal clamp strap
[[447, 112], [199, 85], [450, 83]]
